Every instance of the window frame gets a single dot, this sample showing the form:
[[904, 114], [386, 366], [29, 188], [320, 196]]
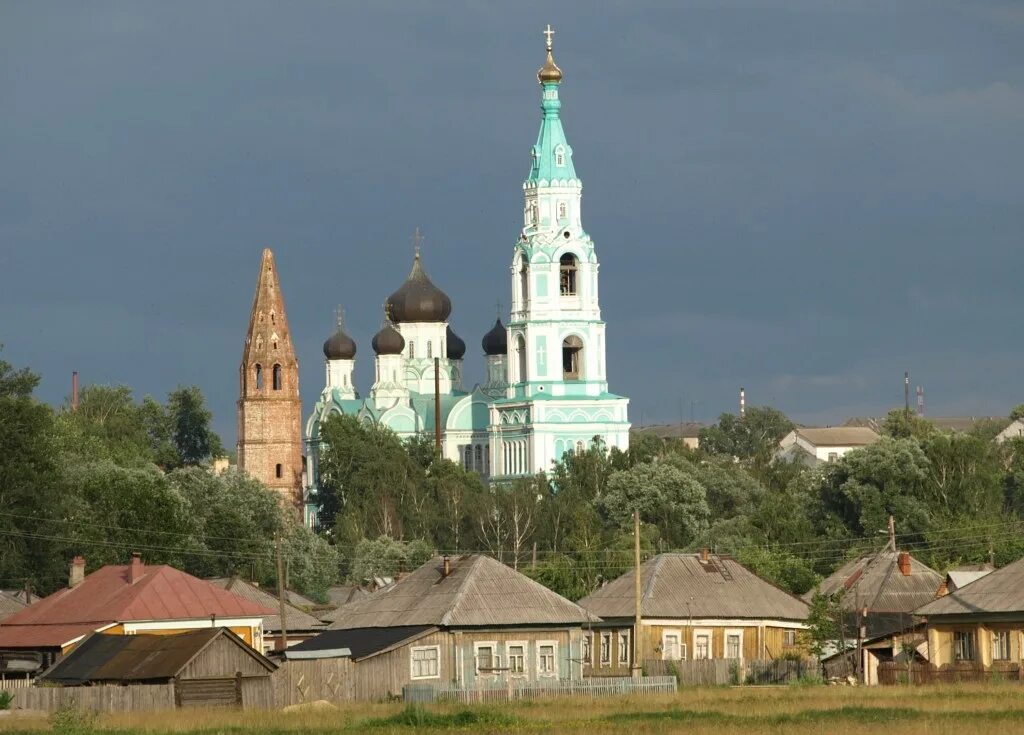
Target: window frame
[[788, 637], [968, 637], [412, 662], [710, 634], [587, 649], [625, 637], [726, 634], [680, 645], [998, 637], [606, 635], [509, 645], [495, 658], [553, 673]]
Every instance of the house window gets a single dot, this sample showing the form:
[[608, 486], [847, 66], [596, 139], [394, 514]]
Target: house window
[[789, 637], [425, 662], [587, 650], [623, 647], [487, 659], [572, 358], [671, 646], [278, 471], [606, 649], [833, 456], [733, 644], [567, 274], [702, 646], [277, 377], [1001, 645], [517, 658], [547, 664], [963, 645]]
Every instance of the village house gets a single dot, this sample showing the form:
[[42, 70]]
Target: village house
[[816, 446], [299, 624], [1015, 430], [125, 599], [981, 624], [877, 594], [207, 667], [693, 606], [468, 620]]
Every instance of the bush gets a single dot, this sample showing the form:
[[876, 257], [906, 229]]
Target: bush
[[5, 700], [69, 720]]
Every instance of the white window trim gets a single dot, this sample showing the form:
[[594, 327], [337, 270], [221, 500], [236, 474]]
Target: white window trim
[[412, 651], [628, 635], [588, 640], [495, 657], [711, 642], [725, 642], [525, 673], [554, 673], [600, 649], [664, 646]]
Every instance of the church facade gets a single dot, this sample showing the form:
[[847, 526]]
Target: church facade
[[545, 392]]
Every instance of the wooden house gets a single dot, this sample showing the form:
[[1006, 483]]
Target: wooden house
[[126, 599], [299, 624], [693, 606], [979, 625], [206, 667], [466, 620]]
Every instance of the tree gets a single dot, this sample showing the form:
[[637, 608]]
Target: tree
[[753, 436], [782, 568], [386, 557], [195, 441], [825, 625], [665, 496], [1017, 413], [902, 424]]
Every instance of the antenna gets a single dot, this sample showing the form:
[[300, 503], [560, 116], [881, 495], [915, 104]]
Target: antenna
[[906, 392], [743, 402], [920, 401]]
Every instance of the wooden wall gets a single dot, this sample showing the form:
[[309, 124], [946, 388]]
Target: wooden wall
[[114, 698], [222, 658], [940, 641]]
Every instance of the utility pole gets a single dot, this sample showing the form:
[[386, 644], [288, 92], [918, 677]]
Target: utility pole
[[637, 670], [892, 535], [906, 392], [280, 597]]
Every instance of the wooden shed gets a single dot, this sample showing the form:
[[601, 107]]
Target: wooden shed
[[207, 667]]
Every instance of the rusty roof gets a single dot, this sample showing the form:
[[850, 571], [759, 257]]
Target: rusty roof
[[479, 591], [128, 658], [682, 586], [1001, 591], [875, 581], [297, 619], [109, 595]]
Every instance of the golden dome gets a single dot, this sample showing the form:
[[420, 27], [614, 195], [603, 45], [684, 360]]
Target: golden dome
[[550, 71]]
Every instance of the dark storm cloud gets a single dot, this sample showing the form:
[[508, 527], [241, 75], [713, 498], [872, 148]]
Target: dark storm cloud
[[804, 198]]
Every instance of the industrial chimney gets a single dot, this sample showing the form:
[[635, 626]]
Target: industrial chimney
[[920, 401], [743, 402], [74, 390], [77, 573]]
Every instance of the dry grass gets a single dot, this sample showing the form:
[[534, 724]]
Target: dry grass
[[967, 709]]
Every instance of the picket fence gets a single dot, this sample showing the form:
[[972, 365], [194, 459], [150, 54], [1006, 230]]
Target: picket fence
[[133, 698], [511, 690], [894, 672], [725, 672], [9, 685]]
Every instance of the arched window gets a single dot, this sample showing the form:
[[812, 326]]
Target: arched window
[[278, 471], [521, 357], [430, 349], [259, 377], [562, 211], [273, 319], [524, 285], [559, 156], [412, 349], [277, 377], [469, 457], [478, 453], [567, 274], [572, 358]]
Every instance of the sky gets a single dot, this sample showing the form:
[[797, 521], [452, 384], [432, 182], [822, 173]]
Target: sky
[[801, 198]]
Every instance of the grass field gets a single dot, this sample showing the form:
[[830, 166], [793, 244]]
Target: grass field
[[957, 710]]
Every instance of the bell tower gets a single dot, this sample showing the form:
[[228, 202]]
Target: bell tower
[[269, 407]]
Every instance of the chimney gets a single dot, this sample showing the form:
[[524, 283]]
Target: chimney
[[903, 560], [74, 390], [77, 574], [447, 567], [704, 555], [135, 571], [743, 402]]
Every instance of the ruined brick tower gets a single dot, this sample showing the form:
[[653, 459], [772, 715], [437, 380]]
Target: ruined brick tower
[[269, 408]]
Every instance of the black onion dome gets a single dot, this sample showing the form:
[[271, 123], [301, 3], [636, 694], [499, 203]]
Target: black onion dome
[[388, 341], [339, 346], [456, 347], [418, 299], [495, 342]]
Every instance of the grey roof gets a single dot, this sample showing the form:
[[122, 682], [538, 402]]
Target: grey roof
[[876, 582], [686, 430], [963, 578], [9, 605], [343, 594], [297, 619], [838, 436], [682, 586], [1002, 591], [479, 591]]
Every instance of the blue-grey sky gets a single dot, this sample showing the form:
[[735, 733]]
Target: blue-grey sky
[[802, 198]]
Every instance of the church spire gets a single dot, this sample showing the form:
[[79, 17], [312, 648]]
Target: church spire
[[552, 155]]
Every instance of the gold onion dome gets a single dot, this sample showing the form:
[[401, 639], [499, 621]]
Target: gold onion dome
[[550, 71]]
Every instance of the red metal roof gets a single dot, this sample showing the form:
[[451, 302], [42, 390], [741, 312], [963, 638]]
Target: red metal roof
[[109, 596]]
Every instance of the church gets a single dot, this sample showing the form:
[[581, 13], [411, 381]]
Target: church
[[545, 391]]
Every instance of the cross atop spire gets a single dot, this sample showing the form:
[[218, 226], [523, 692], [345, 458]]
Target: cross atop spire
[[548, 33], [339, 316], [497, 307], [417, 240]]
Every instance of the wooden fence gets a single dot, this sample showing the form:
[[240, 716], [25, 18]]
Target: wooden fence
[[9, 685], [136, 697], [894, 672], [511, 690], [299, 682], [725, 672]]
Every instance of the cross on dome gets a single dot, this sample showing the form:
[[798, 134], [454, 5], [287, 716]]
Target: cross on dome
[[548, 33], [417, 240]]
